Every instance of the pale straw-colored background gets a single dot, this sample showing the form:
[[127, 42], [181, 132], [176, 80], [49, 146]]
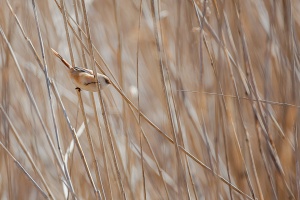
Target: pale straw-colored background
[[208, 90]]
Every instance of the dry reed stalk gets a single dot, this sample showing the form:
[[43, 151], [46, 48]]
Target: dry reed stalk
[[25, 150], [231, 120], [138, 106], [246, 132], [108, 130], [118, 88], [145, 117], [97, 120], [64, 169], [96, 191], [263, 123], [181, 148], [211, 57], [32, 100], [152, 153], [236, 104], [5, 102], [113, 84], [54, 88], [95, 162], [45, 69], [181, 178], [24, 170], [96, 117]]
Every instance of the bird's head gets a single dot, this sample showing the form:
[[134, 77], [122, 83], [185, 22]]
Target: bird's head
[[103, 80]]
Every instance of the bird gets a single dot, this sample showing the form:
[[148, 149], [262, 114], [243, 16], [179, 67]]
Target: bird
[[84, 78]]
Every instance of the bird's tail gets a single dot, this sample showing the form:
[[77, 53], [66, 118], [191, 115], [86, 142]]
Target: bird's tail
[[62, 59]]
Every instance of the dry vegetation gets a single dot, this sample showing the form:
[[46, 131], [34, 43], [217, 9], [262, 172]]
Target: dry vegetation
[[204, 101]]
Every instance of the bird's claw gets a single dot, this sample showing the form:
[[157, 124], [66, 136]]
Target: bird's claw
[[77, 88]]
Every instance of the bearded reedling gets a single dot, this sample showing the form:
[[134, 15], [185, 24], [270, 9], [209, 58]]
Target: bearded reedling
[[84, 78]]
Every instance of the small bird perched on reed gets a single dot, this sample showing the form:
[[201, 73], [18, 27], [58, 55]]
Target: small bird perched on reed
[[84, 78]]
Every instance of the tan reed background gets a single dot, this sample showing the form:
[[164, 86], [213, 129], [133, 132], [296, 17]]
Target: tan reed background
[[204, 101]]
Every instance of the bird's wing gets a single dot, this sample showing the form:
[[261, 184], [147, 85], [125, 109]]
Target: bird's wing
[[79, 69]]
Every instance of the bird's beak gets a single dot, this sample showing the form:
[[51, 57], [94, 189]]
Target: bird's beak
[[107, 81]]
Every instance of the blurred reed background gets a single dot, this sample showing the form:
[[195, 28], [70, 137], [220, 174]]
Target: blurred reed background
[[204, 101]]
